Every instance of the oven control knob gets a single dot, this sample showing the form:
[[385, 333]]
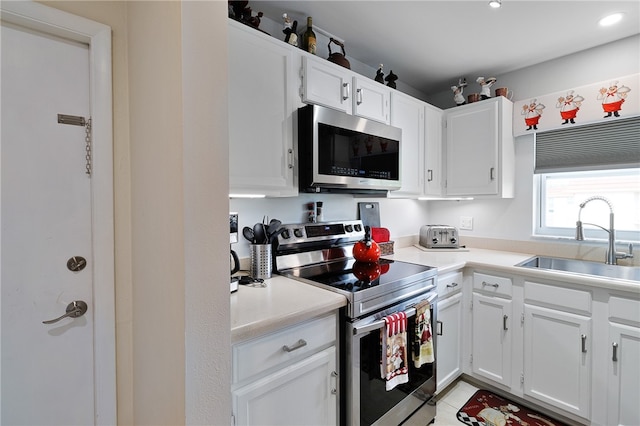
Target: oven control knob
[[285, 234], [348, 228], [435, 241], [358, 227], [297, 232], [453, 241]]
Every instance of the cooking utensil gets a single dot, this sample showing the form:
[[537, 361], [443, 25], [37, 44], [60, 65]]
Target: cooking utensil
[[248, 234], [274, 235], [259, 233], [273, 227]]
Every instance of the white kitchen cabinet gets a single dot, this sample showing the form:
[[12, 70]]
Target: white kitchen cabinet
[[449, 329], [262, 98], [480, 149], [623, 362], [433, 152], [407, 113], [287, 377], [557, 346], [491, 329], [330, 85]]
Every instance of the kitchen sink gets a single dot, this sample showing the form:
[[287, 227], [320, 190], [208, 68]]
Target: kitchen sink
[[631, 273]]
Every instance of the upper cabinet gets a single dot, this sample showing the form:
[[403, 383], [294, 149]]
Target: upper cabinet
[[480, 149], [262, 99], [333, 86], [407, 113], [433, 164]]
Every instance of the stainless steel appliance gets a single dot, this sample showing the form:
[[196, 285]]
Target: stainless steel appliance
[[438, 236], [234, 261], [338, 152], [320, 255]]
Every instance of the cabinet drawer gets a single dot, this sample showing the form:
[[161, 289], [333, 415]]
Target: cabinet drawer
[[492, 284], [624, 310], [449, 284], [562, 298], [258, 355]]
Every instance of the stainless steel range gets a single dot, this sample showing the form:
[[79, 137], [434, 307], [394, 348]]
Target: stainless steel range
[[320, 254]]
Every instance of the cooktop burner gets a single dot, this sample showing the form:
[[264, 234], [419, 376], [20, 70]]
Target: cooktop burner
[[352, 276]]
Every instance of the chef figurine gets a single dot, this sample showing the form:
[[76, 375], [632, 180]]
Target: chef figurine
[[485, 86], [569, 106], [457, 95], [613, 98], [380, 75]]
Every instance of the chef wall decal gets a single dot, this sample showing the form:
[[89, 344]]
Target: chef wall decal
[[603, 101]]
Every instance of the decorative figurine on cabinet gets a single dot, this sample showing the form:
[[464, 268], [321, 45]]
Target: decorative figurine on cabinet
[[391, 79], [290, 29], [380, 75], [485, 86], [458, 97]]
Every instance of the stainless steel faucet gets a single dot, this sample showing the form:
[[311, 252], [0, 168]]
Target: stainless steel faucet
[[612, 255]]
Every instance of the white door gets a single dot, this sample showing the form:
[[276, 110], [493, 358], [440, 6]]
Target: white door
[[47, 369]]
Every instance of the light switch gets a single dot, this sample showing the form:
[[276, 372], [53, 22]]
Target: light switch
[[466, 222]]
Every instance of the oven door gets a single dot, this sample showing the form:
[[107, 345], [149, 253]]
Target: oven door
[[367, 400]]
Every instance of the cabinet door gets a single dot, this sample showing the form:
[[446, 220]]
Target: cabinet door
[[371, 100], [557, 358], [326, 84], [301, 394], [261, 103], [407, 113], [623, 367], [449, 341], [492, 338], [472, 149], [433, 152]]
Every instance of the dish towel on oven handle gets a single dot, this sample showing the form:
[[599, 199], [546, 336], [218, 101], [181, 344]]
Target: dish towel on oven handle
[[423, 345], [393, 364]]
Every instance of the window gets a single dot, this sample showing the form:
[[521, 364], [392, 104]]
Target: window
[[560, 195]]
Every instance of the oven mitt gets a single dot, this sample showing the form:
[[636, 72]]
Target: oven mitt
[[393, 365], [423, 345]]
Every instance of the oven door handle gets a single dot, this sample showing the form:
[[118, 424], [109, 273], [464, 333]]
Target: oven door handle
[[376, 325]]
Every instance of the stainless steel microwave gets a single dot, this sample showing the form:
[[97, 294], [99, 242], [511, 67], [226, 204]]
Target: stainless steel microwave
[[338, 152]]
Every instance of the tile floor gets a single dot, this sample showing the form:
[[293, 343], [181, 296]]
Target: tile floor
[[450, 402]]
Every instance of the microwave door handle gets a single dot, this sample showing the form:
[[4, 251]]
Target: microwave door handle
[[376, 325]]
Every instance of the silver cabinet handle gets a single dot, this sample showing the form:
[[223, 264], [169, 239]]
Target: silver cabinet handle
[[614, 357], [359, 96], [440, 329], [494, 285], [75, 309], [299, 344], [429, 175], [492, 174], [290, 152], [346, 91], [452, 285], [334, 389], [583, 337], [505, 318]]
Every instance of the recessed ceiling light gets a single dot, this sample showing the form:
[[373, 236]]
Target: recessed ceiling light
[[495, 3], [614, 18]]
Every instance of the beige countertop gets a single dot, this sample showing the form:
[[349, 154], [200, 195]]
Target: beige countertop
[[284, 301]]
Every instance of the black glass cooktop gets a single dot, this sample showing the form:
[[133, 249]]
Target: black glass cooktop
[[352, 276]]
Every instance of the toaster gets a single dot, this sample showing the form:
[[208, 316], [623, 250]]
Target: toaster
[[438, 236]]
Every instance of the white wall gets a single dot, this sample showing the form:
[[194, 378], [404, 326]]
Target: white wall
[[512, 219]]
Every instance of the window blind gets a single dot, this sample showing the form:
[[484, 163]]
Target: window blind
[[605, 145]]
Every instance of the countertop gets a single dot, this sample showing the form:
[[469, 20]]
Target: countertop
[[283, 302]]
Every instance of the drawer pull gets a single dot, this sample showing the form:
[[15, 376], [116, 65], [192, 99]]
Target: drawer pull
[[494, 285], [583, 337], [452, 285], [505, 326], [614, 358], [299, 344]]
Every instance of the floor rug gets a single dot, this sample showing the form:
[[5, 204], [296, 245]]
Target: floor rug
[[485, 408]]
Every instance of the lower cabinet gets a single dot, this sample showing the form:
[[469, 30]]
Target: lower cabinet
[[623, 362], [491, 329], [449, 341], [287, 377], [302, 393], [557, 346]]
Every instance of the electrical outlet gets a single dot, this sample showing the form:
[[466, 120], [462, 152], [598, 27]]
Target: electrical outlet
[[466, 222]]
